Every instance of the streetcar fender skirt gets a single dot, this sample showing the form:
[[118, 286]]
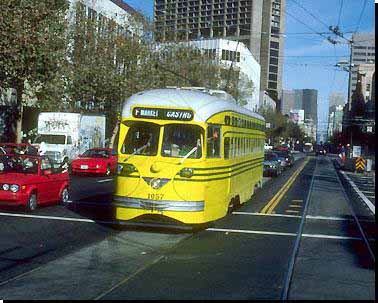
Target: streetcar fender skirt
[[159, 205]]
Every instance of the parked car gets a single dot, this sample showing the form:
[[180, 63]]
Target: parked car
[[31, 181], [281, 159], [289, 159], [18, 148], [272, 165], [101, 161]]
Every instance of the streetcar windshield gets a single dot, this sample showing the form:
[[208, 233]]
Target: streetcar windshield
[[142, 139], [182, 140]]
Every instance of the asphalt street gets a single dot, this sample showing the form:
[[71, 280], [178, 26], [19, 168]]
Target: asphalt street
[[79, 252]]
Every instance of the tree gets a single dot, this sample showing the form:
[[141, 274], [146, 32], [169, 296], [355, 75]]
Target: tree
[[32, 45]]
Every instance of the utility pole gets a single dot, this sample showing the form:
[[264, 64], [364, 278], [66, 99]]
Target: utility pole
[[336, 31]]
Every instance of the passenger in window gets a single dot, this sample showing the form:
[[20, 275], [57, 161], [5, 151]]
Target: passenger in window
[[213, 142]]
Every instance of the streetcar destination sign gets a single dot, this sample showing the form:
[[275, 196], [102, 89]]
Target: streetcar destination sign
[[163, 113]]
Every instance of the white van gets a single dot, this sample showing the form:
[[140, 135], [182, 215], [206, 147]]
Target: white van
[[63, 136]]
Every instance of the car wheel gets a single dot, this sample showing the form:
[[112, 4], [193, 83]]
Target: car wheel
[[64, 196], [31, 204], [108, 171]]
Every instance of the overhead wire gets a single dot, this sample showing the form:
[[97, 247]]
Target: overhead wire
[[360, 18], [310, 13], [340, 10]]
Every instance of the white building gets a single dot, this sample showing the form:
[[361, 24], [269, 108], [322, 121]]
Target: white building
[[266, 101], [235, 53], [116, 10]]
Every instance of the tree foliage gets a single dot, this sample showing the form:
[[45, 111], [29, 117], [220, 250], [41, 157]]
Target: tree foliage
[[32, 44], [281, 127]]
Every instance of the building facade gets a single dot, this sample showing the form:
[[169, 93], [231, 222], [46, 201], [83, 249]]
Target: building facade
[[266, 102], [335, 120], [227, 53], [256, 23], [272, 46], [310, 104], [363, 51], [336, 99], [287, 101]]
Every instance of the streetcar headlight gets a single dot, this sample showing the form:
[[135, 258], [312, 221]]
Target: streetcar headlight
[[186, 172], [5, 186], [14, 188], [97, 166]]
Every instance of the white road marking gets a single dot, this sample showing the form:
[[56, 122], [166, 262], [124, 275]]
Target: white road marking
[[294, 216], [267, 215], [295, 206], [106, 180], [259, 232], [291, 211], [362, 196], [51, 218]]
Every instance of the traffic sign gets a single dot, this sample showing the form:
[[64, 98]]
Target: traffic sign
[[360, 164]]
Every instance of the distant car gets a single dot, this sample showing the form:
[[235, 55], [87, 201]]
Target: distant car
[[18, 148], [31, 181], [289, 159], [98, 161], [272, 165], [320, 150]]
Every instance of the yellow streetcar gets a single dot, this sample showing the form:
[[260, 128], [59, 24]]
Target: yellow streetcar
[[186, 155]]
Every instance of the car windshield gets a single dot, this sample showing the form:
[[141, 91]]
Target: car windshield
[[18, 164], [51, 139], [96, 153], [142, 139], [181, 140]]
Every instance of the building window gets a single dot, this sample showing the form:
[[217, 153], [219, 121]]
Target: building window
[[274, 45], [274, 61], [273, 77], [274, 53], [272, 85], [273, 69]]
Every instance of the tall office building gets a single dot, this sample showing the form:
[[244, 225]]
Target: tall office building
[[272, 46], [306, 99], [310, 104], [363, 51], [288, 101], [256, 23], [335, 99]]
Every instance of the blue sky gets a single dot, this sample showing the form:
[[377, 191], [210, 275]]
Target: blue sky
[[309, 58]]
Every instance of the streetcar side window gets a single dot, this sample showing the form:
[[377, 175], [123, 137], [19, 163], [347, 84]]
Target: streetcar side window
[[226, 148], [213, 141]]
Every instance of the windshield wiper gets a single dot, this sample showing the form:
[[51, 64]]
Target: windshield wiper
[[190, 152], [139, 149]]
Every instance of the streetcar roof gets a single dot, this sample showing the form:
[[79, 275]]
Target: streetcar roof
[[204, 105]]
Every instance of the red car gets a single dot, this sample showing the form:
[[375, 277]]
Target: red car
[[96, 161], [31, 181]]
